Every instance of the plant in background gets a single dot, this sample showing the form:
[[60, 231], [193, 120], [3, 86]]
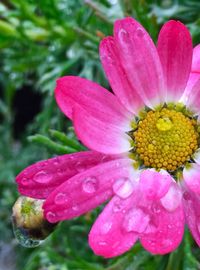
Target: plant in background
[[144, 142], [39, 42]]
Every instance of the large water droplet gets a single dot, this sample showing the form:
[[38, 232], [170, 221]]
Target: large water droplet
[[90, 184], [42, 177], [123, 187], [23, 237], [172, 199], [136, 220], [61, 198]]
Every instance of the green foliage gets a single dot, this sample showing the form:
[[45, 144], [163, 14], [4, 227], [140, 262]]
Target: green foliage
[[39, 42]]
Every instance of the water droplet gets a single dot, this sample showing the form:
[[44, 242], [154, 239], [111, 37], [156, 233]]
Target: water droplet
[[42, 177], [102, 243], [186, 196], [61, 198], [123, 187], [117, 206], [139, 32], [56, 161], [136, 220], [22, 235], [172, 199], [155, 209], [106, 227], [25, 181], [50, 217], [90, 185], [80, 167], [75, 208], [123, 35]]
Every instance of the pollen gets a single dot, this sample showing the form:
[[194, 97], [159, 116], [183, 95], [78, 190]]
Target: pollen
[[165, 139]]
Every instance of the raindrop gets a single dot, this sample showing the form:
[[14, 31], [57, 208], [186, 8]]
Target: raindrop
[[117, 206], [123, 35], [139, 32], [50, 217], [90, 185], [102, 243], [42, 177], [80, 167], [123, 187], [136, 220], [106, 227], [61, 198], [75, 208], [155, 209], [24, 238], [25, 181]]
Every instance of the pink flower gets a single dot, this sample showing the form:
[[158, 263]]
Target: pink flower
[[144, 144]]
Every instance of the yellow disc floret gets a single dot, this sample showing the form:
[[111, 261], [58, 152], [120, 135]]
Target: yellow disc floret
[[165, 139]]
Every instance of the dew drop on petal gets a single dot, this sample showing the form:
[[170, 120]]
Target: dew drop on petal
[[123, 187], [139, 32], [75, 208], [123, 35], [136, 220], [42, 177], [172, 199], [102, 243], [79, 167], [61, 198], [117, 206], [50, 217], [89, 185], [25, 181], [106, 227]]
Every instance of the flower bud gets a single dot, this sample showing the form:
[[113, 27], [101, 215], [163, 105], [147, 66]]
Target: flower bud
[[30, 227]]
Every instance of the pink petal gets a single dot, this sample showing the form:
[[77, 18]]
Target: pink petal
[[175, 50], [100, 103], [109, 236], [99, 136], [155, 184], [86, 190], [140, 60], [193, 97], [196, 59], [191, 177], [165, 230], [117, 77], [191, 203], [41, 178], [172, 199], [194, 74]]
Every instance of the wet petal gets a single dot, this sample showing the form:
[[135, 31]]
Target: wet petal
[[99, 102], [86, 190], [155, 184], [175, 50], [116, 75], [165, 230], [191, 177], [109, 235], [191, 203], [99, 136], [140, 60], [40, 179]]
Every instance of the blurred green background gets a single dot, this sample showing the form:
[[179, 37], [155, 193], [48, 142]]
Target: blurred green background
[[39, 42]]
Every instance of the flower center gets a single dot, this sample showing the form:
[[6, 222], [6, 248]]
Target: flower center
[[165, 139]]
